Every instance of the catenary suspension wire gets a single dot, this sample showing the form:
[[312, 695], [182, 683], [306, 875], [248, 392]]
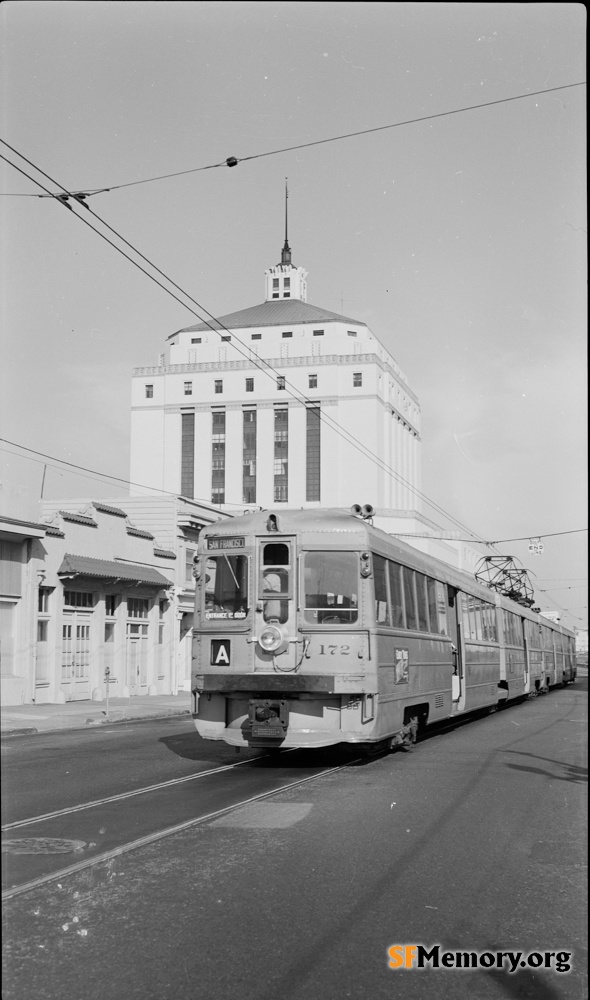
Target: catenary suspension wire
[[267, 369], [232, 161], [398, 534], [95, 475]]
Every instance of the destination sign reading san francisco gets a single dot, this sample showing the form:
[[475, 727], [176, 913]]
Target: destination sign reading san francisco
[[235, 542]]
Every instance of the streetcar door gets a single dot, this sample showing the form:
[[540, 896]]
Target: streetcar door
[[276, 593], [527, 661], [456, 633]]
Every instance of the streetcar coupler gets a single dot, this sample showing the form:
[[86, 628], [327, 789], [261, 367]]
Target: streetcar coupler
[[268, 717]]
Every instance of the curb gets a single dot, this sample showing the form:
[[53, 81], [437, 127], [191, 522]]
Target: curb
[[94, 723], [18, 732]]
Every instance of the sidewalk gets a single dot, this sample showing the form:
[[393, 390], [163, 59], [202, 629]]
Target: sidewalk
[[19, 720]]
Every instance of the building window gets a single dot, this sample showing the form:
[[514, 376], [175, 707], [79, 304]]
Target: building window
[[218, 385], [188, 388], [256, 336], [287, 283], [188, 569], [196, 340], [287, 334], [275, 295], [281, 456], [351, 333], [78, 599], [318, 333], [187, 460], [218, 457], [357, 378], [275, 282], [249, 385], [43, 604], [286, 295], [249, 457], [312, 458], [313, 381], [137, 607], [111, 603], [42, 657], [149, 392], [281, 382]]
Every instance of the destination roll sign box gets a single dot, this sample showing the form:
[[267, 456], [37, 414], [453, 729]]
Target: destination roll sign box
[[230, 542]]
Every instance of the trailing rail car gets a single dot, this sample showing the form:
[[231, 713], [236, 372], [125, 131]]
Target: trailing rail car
[[314, 628]]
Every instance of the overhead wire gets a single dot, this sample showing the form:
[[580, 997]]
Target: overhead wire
[[80, 470], [500, 541], [260, 363], [94, 474], [252, 358], [552, 590], [80, 197], [544, 534], [232, 161]]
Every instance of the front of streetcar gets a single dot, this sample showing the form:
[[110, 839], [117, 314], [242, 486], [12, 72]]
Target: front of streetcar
[[281, 648]]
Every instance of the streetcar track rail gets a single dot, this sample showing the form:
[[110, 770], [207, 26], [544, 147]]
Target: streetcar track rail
[[433, 730], [121, 796], [162, 834], [156, 835]]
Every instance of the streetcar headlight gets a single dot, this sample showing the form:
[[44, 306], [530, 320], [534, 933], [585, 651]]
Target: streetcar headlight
[[270, 639]]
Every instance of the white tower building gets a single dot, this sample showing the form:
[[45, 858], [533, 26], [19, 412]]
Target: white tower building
[[280, 403]]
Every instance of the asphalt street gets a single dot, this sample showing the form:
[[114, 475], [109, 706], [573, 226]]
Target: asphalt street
[[474, 840]]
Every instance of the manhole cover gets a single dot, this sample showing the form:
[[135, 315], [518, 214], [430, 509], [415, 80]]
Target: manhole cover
[[41, 845]]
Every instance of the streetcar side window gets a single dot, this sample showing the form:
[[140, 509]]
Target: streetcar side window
[[489, 624], [226, 586], [410, 598], [533, 634], [512, 628], [437, 606], [331, 588], [405, 598], [397, 599], [382, 615], [479, 619], [469, 617], [421, 602]]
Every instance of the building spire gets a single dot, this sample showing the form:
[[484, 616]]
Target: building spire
[[284, 280], [286, 251]]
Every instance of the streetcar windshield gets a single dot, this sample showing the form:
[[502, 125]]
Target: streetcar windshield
[[226, 587], [331, 583]]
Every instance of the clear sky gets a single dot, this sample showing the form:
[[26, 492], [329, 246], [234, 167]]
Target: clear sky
[[460, 240]]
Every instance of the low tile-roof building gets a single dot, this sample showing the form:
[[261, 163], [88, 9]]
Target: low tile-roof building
[[115, 597]]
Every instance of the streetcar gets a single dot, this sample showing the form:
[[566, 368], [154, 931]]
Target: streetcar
[[313, 628]]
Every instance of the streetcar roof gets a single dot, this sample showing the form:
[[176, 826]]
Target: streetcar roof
[[354, 531]]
